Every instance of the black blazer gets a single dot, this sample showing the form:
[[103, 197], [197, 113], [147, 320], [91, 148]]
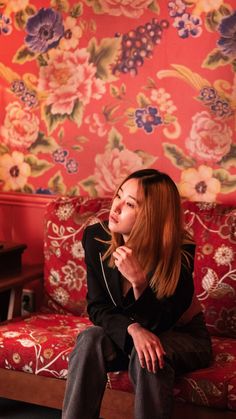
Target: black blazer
[[108, 308]]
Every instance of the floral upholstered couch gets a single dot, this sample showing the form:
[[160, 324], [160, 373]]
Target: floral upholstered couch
[[39, 346]]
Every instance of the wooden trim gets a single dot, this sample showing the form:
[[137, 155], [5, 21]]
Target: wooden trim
[[49, 392], [26, 200]]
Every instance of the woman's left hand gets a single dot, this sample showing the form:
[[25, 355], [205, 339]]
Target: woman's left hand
[[130, 268]]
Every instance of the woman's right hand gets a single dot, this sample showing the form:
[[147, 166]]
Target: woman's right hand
[[148, 346]]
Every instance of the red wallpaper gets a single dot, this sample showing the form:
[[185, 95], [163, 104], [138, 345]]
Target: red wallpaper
[[91, 90]]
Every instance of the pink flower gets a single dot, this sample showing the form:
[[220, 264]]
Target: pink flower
[[95, 125], [112, 167], [199, 184], [72, 34], [209, 141], [69, 77], [15, 6], [129, 8], [14, 172], [20, 128]]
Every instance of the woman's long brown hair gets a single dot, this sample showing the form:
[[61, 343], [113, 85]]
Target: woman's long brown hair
[[158, 234]]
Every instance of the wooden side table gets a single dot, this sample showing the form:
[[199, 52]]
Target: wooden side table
[[15, 282]]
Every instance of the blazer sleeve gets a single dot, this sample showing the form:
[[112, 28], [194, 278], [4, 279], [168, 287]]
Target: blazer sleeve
[[159, 315], [102, 312]]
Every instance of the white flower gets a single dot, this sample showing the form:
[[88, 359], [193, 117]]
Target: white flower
[[64, 211], [61, 296], [28, 369], [74, 275], [77, 250], [11, 334], [54, 277], [224, 255], [27, 343]]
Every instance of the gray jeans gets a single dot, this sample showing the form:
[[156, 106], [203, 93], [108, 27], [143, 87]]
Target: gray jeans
[[187, 348]]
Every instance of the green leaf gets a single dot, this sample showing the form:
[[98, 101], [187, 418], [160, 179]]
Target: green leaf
[[148, 159], [77, 10], [215, 59], [229, 160], [117, 92], [114, 140], [103, 55], [109, 111], [43, 144], [22, 55], [52, 121], [38, 166], [89, 185], [81, 139], [228, 182], [234, 65], [42, 61], [3, 149], [22, 16], [60, 5], [28, 189], [214, 18], [77, 148], [77, 113], [143, 100], [56, 184], [96, 5], [154, 7], [73, 191], [30, 10], [177, 157]]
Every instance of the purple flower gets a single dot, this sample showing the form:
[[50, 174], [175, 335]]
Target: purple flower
[[44, 29], [72, 166], [208, 94], [227, 42], [176, 8], [146, 118], [5, 25], [29, 99], [221, 108], [59, 155], [43, 191], [18, 87], [188, 25]]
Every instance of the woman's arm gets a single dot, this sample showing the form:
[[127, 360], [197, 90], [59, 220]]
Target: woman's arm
[[101, 310], [160, 315]]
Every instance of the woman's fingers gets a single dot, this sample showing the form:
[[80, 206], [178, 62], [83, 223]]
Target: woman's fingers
[[152, 358]]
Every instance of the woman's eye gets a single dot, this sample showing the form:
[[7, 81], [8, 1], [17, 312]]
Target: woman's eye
[[130, 205]]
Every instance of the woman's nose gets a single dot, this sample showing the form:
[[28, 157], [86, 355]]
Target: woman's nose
[[117, 208]]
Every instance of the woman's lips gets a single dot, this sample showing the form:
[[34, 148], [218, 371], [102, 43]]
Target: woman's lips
[[113, 218]]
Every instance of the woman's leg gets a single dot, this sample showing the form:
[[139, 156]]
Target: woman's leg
[[187, 348], [153, 392], [87, 374]]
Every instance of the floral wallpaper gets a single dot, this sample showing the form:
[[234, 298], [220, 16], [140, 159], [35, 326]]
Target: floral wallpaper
[[93, 89]]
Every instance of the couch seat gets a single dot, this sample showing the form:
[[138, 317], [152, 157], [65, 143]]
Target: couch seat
[[41, 345]]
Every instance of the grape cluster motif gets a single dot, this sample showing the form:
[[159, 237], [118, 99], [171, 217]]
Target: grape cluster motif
[[138, 44]]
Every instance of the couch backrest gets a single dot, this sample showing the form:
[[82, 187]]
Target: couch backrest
[[213, 227], [64, 271]]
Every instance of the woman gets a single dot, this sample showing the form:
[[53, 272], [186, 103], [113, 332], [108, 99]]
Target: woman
[[140, 300]]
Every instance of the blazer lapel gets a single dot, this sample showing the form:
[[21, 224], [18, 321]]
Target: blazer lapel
[[111, 278]]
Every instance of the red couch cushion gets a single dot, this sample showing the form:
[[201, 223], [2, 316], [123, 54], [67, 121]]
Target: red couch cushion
[[41, 345], [214, 229], [64, 272]]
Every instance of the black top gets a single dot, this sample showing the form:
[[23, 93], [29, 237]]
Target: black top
[[108, 308]]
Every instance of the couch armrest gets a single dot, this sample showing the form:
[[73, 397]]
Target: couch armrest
[[15, 283]]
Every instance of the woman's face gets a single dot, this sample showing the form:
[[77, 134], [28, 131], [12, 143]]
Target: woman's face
[[124, 209]]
